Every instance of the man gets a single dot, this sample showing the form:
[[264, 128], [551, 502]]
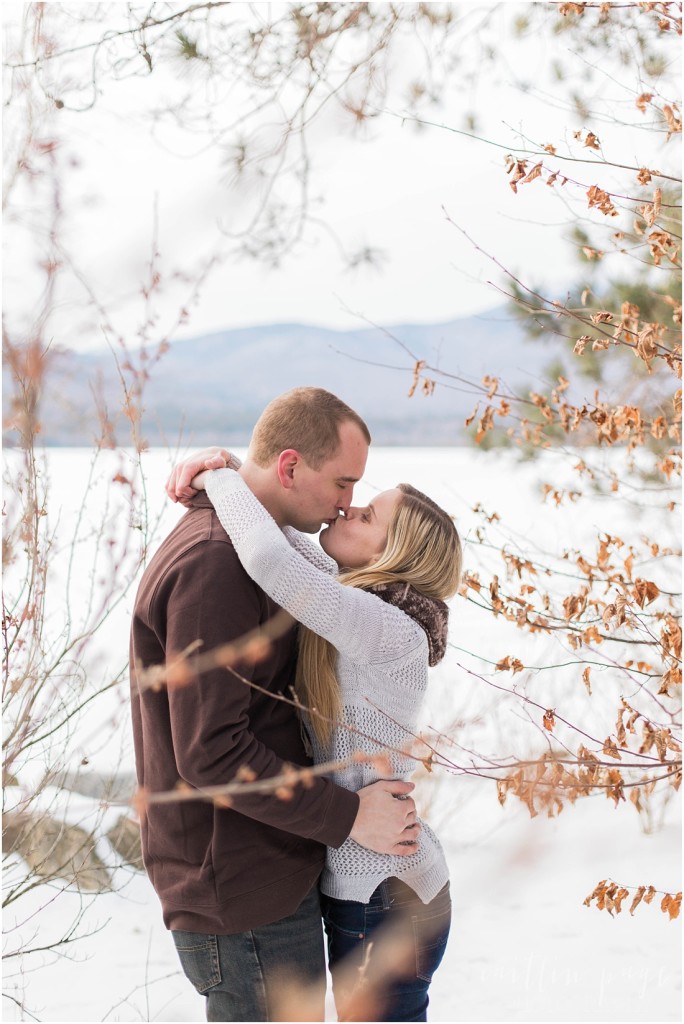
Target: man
[[238, 884]]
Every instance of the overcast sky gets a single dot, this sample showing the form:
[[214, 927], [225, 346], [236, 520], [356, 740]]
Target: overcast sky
[[390, 188]]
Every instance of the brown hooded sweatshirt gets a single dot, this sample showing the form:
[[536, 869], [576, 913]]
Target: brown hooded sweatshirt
[[220, 870]]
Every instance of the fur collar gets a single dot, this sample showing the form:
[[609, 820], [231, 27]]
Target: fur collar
[[430, 614]]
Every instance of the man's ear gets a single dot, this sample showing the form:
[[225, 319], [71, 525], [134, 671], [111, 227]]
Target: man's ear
[[287, 462]]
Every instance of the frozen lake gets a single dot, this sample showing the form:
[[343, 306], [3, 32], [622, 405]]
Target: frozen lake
[[523, 947]]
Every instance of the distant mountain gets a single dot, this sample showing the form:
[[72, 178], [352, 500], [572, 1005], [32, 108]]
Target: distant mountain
[[212, 388]]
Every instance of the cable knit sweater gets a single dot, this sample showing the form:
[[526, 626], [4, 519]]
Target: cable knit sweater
[[382, 670]]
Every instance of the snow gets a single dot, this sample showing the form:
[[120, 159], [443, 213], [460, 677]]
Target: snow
[[523, 946]]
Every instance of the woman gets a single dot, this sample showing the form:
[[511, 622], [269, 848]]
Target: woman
[[367, 638]]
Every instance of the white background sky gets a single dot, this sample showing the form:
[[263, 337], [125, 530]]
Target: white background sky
[[386, 188]]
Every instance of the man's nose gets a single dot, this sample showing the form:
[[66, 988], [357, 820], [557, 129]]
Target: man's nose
[[344, 504]]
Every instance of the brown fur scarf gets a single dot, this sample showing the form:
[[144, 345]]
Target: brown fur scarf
[[430, 614]]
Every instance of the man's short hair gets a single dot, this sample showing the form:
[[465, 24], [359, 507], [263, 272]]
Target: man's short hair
[[306, 419]]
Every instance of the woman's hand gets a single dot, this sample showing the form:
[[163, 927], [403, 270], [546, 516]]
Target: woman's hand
[[181, 485]]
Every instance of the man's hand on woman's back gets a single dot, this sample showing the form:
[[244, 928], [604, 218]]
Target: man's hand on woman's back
[[384, 823]]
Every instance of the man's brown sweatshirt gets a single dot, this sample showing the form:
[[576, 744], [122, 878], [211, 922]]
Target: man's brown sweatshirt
[[215, 869]]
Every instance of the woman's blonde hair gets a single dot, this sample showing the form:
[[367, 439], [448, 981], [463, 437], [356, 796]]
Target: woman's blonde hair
[[423, 549]]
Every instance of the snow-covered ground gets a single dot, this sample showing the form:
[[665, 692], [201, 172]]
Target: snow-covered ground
[[523, 946]]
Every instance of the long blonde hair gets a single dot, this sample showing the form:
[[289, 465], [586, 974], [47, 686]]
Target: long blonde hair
[[423, 549]]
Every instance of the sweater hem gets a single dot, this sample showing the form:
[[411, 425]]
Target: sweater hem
[[425, 882]]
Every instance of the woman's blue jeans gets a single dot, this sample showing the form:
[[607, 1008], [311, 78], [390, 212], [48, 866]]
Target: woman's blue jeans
[[382, 954]]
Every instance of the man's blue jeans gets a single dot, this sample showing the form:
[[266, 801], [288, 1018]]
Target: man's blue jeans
[[382, 954], [245, 977]]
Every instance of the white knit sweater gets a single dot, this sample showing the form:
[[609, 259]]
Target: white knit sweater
[[382, 670]]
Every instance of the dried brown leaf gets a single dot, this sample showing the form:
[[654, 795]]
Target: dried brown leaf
[[643, 100], [610, 750], [534, 173], [638, 896], [672, 905], [586, 680]]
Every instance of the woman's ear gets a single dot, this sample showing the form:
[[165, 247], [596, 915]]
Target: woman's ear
[[287, 461]]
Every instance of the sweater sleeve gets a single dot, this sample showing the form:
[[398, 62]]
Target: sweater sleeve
[[210, 720], [357, 623], [313, 553]]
